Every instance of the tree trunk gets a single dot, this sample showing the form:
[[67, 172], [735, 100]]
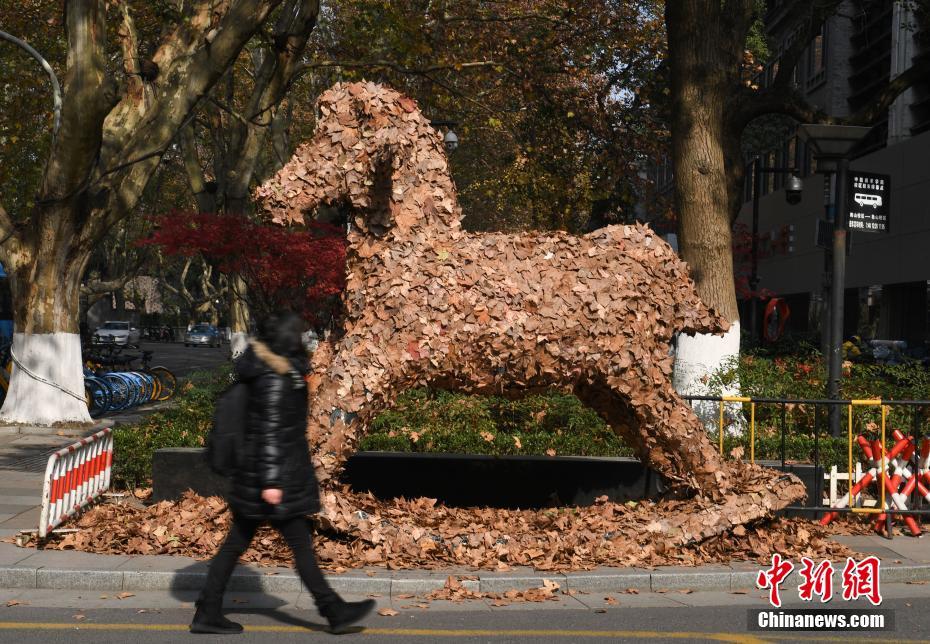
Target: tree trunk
[[238, 316], [702, 69], [45, 284]]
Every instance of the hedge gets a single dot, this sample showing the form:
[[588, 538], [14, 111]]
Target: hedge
[[184, 424]]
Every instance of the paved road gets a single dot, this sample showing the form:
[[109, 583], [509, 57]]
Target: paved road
[[92, 617], [182, 360]]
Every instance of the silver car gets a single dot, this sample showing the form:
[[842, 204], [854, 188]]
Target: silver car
[[118, 333], [202, 335]]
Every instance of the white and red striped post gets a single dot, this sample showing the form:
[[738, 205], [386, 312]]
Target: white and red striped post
[[75, 476]]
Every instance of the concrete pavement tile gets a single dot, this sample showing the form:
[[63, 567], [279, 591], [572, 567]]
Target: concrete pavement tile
[[73, 560], [7, 491], [498, 583], [904, 573], [17, 577], [11, 554], [111, 580], [16, 508], [28, 520], [609, 580], [27, 500], [163, 563], [900, 547], [701, 578]]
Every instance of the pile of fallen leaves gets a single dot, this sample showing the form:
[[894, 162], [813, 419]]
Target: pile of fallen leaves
[[419, 533]]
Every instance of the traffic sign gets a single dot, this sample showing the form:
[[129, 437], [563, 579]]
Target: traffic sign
[[868, 197]]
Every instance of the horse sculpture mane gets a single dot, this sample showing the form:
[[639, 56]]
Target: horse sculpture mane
[[428, 304]]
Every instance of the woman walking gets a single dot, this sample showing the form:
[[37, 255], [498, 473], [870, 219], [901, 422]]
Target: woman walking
[[274, 480]]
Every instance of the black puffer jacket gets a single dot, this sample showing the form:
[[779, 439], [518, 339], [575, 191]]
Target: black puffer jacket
[[275, 451]]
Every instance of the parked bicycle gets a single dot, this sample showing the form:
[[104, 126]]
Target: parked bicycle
[[113, 383]]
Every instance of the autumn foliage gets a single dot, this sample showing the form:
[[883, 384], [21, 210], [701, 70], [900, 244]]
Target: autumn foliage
[[301, 268]]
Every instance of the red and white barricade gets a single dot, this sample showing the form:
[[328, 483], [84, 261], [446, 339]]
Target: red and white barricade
[[896, 477], [75, 476]]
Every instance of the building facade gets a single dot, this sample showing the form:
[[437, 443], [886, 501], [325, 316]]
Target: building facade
[[847, 64]]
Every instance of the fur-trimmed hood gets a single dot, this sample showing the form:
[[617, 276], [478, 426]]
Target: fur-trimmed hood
[[259, 359]]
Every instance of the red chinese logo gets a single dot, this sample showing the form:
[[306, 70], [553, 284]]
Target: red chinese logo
[[860, 579], [817, 581], [773, 577]]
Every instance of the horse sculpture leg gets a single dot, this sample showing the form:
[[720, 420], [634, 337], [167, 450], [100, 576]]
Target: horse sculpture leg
[[660, 427]]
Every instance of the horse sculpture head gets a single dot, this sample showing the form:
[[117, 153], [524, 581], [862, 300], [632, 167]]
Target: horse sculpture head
[[373, 155]]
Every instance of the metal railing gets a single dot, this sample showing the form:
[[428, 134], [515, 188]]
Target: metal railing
[[916, 503]]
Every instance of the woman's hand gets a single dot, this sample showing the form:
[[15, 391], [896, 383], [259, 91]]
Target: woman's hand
[[272, 495]]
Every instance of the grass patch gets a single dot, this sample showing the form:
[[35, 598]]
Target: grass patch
[[429, 421]]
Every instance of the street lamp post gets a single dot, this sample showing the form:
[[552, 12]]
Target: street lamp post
[[793, 196], [831, 146]]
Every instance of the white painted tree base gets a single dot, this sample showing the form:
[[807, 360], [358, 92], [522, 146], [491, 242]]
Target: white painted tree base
[[55, 357], [697, 357], [238, 342]]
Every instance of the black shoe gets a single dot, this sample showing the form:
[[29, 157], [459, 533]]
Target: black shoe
[[209, 619], [343, 614]]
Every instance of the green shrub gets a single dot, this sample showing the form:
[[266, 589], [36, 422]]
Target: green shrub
[[184, 424], [440, 421], [798, 448], [803, 376]]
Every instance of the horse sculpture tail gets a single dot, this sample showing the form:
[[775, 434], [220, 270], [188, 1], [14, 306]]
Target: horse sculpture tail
[[696, 317], [692, 315]]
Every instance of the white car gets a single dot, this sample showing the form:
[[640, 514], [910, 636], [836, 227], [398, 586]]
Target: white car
[[117, 333]]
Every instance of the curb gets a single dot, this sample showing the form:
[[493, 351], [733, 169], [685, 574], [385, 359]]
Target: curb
[[252, 580]]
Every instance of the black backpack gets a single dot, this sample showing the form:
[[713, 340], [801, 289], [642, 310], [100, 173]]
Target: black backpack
[[226, 438]]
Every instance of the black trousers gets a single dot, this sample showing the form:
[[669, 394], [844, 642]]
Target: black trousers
[[296, 531]]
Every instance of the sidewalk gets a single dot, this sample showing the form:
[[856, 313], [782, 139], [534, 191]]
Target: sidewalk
[[903, 560], [24, 453]]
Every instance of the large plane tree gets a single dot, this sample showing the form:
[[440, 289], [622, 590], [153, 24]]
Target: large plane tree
[[117, 120]]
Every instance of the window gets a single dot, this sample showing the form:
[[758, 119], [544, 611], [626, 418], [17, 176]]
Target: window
[[816, 57], [791, 153], [117, 326]]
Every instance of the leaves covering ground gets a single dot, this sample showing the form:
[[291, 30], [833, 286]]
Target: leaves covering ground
[[418, 533]]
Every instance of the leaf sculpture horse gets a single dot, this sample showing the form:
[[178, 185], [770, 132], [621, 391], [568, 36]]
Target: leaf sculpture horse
[[427, 303]]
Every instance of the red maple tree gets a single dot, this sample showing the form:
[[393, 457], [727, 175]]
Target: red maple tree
[[298, 268]]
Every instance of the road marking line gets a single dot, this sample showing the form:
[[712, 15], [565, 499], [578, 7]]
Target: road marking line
[[737, 638]]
